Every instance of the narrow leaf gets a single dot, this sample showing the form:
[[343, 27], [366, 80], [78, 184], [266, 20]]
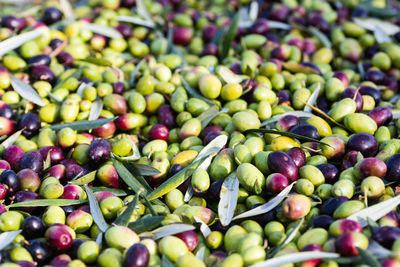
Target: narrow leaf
[[150, 207], [253, 10], [142, 10], [47, 202], [127, 177], [99, 239], [204, 229], [95, 210], [193, 93], [82, 87], [278, 25], [145, 170], [103, 30], [146, 223], [369, 259], [134, 73], [379, 12], [228, 76], [207, 116], [6, 238], [381, 36], [82, 125], [325, 115], [125, 217], [201, 253], [95, 109], [11, 139], [171, 229], [135, 172], [376, 211], [26, 91], [203, 166], [321, 37], [287, 239], [370, 24], [76, 74], [170, 41], [361, 70], [16, 41], [67, 8], [230, 35], [136, 21], [97, 61], [377, 250], [47, 162], [300, 114], [313, 99], [115, 191], [88, 178], [228, 198], [288, 134], [295, 257], [213, 147], [297, 67], [165, 262], [267, 206], [188, 194]]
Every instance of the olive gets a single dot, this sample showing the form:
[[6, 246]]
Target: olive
[[332, 204], [280, 162], [58, 238], [65, 58], [365, 143], [30, 122], [287, 122], [381, 115], [347, 244], [6, 111], [40, 252], [371, 91], [32, 160], [349, 93], [56, 154], [323, 221], [10, 179], [137, 256], [13, 155], [298, 156], [190, 238], [330, 172], [386, 235], [51, 15], [306, 130], [99, 151], [13, 23], [33, 227], [393, 168], [42, 73]]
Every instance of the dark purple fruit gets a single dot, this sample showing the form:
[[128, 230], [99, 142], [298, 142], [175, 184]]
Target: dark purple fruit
[[118, 88], [74, 171], [323, 221], [42, 73], [347, 244], [375, 76], [332, 204], [287, 122], [10, 179], [276, 182], [33, 227], [349, 93], [175, 169], [13, 155], [65, 59], [386, 235], [209, 31], [13, 23], [364, 143], [51, 15], [41, 59], [283, 97], [371, 91], [5, 110], [306, 130], [55, 43], [56, 154], [32, 160], [330, 172], [190, 238], [393, 168], [41, 253], [349, 160], [137, 256], [166, 116], [29, 179], [370, 167], [30, 122], [280, 162], [57, 171], [125, 30], [381, 115], [26, 264], [3, 191], [72, 191], [182, 35], [260, 26], [158, 131], [58, 238], [99, 151]]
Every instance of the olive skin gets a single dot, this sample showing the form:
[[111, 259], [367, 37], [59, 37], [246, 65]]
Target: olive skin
[[370, 167], [58, 238], [137, 256], [393, 168], [347, 244], [280, 162], [330, 172], [33, 227], [99, 151], [190, 238], [32, 160], [386, 235], [40, 252], [10, 179], [332, 204], [30, 122], [298, 156], [365, 143]]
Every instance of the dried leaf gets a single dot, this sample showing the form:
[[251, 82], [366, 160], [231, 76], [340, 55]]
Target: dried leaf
[[95, 210], [313, 99], [370, 24], [228, 198], [295, 257], [82, 125], [321, 37], [299, 114], [376, 211], [16, 41], [204, 229], [171, 229], [11, 139], [47, 202], [26, 91], [136, 21], [103, 30], [6, 238], [267, 206], [88, 178]]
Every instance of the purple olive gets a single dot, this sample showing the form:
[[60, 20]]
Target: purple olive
[[381, 115], [175, 169], [313, 262], [349, 160], [332, 204], [323, 104], [276, 182], [5, 110], [13, 155], [393, 168], [365, 143], [57, 171], [72, 191], [330, 172], [13, 23], [33, 227], [287, 122], [283, 97], [216, 257], [4, 165], [41, 252], [347, 244], [99, 151], [41, 59], [118, 88], [298, 156], [56, 154], [375, 76], [22, 196], [43, 73], [30, 122], [29, 179], [386, 235], [296, 41], [74, 171], [260, 26], [190, 238], [54, 43], [209, 31], [51, 15], [390, 219], [210, 49], [65, 59], [166, 116], [125, 30], [306, 130], [323, 221], [10, 179], [3, 191], [137, 256], [342, 76], [389, 262], [32, 160], [349, 93], [279, 12], [182, 35], [280, 162], [313, 66], [371, 91], [370, 167]]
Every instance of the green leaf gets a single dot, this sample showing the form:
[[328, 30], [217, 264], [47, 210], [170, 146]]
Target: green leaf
[[171, 229], [115, 191], [97, 61], [369, 259], [313, 99], [136, 173], [88, 178], [6, 238], [193, 93], [298, 68], [321, 37], [76, 74], [296, 257], [95, 210], [82, 125], [125, 217], [47, 202], [142, 10], [230, 35], [18, 40], [127, 177], [143, 169], [207, 116], [150, 207], [134, 73], [136, 21], [288, 134], [146, 223], [379, 12], [26, 91], [170, 42]]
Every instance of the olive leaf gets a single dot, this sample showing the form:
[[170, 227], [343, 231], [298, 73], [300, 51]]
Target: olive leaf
[[47, 161], [230, 35], [125, 217], [144, 169], [228, 198], [379, 12], [376, 211], [369, 259], [361, 70], [377, 250], [115, 191], [136, 21], [95, 210], [291, 235], [67, 8], [288, 134], [325, 115], [127, 177], [171, 229], [88, 178], [204, 229], [47, 202], [381, 36], [134, 73], [76, 74], [299, 114], [146, 223], [207, 116], [165, 262], [97, 61], [395, 113], [321, 37], [296, 68], [177, 179], [278, 25], [200, 254], [95, 109], [99, 239], [6, 238], [16, 41], [150, 206], [142, 11], [228, 76], [296, 257], [26, 91], [82, 87], [248, 14], [82, 125], [193, 93], [370, 24], [313, 99], [11, 139], [270, 205], [131, 166], [103, 30]]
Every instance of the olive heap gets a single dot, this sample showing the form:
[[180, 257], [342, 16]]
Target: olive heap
[[200, 133]]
